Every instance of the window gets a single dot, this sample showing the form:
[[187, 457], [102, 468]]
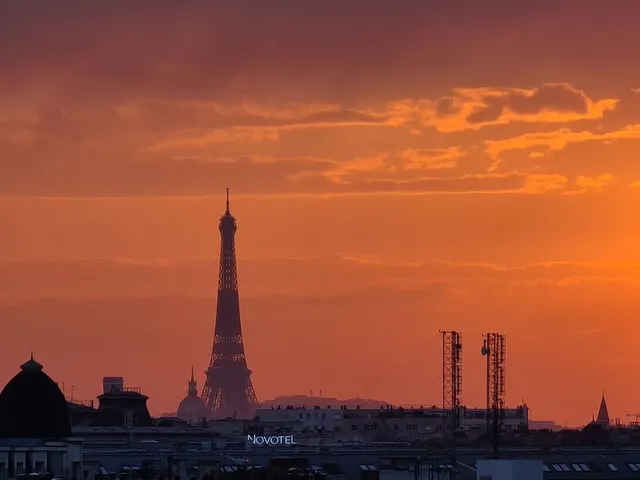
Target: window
[[556, 467], [612, 467], [576, 467], [545, 467], [585, 467], [633, 467], [565, 467]]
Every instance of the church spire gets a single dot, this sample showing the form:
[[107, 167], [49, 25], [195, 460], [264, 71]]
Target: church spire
[[603, 412], [193, 386]]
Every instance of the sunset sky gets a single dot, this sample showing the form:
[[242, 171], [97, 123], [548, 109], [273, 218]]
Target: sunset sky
[[396, 168]]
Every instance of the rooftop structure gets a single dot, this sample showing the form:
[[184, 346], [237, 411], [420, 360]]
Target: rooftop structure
[[35, 428], [120, 405], [603, 412], [32, 405]]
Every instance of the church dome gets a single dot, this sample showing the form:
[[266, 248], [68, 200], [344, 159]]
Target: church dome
[[32, 406], [192, 408]]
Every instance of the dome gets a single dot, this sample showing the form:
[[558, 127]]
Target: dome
[[192, 408], [32, 406]]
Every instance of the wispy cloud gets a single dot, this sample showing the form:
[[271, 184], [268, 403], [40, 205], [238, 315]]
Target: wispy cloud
[[558, 139]]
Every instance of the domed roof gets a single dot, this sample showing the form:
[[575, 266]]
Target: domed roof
[[192, 408], [32, 406]]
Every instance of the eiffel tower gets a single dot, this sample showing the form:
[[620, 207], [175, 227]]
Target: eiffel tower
[[228, 392]]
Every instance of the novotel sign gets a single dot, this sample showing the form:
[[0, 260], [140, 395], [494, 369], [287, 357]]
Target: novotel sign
[[271, 440]]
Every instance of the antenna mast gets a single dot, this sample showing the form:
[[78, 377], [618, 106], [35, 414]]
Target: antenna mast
[[494, 347], [451, 388]]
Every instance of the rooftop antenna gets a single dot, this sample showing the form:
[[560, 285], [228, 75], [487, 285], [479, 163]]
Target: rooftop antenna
[[451, 388], [495, 351], [227, 200]]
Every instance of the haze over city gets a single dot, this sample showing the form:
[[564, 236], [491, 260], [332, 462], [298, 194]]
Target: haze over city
[[447, 168]]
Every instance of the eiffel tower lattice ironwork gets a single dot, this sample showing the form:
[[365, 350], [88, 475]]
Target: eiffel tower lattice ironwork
[[228, 391]]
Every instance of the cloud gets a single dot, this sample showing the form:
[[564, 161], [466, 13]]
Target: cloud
[[76, 153], [213, 122], [409, 171], [181, 123], [596, 183], [229, 49], [539, 183], [315, 276], [551, 103], [188, 102], [255, 123], [401, 165], [557, 140]]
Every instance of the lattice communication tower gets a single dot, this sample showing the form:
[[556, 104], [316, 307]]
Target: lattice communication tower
[[451, 379], [494, 348]]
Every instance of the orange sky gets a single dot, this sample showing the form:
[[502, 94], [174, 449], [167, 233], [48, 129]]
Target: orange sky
[[394, 172]]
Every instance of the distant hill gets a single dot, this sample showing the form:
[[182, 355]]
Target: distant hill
[[306, 400]]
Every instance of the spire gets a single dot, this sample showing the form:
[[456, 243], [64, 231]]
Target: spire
[[603, 412], [31, 364], [228, 211], [193, 386]]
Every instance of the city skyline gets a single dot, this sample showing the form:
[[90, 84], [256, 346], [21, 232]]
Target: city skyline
[[395, 172]]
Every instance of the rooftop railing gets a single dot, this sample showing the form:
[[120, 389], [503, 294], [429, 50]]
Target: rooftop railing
[[116, 389], [131, 389], [84, 403]]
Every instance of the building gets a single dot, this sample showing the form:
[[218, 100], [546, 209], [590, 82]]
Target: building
[[35, 428], [118, 406], [375, 462], [387, 423], [192, 409], [315, 418]]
